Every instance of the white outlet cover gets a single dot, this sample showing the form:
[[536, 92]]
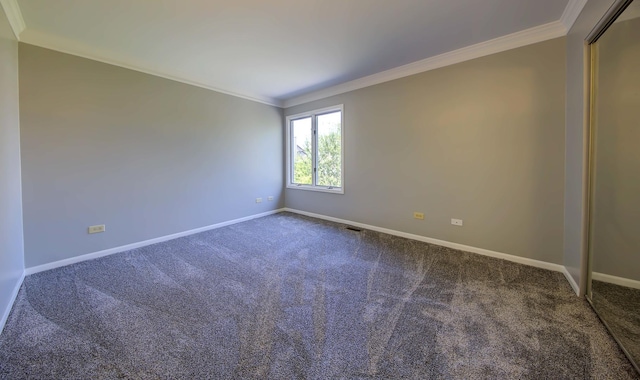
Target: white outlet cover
[[258, 200], [456, 222]]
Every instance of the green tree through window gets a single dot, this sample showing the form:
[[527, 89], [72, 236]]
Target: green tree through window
[[302, 166], [329, 161], [315, 144]]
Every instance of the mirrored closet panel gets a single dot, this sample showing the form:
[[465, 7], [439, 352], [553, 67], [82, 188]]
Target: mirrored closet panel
[[614, 236]]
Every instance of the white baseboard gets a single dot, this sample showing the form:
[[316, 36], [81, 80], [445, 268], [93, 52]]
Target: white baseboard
[[111, 251], [615, 280], [444, 243], [571, 281], [12, 300]]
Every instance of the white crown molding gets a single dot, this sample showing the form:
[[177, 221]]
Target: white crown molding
[[37, 38], [14, 15], [500, 44], [571, 13], [526, 37]]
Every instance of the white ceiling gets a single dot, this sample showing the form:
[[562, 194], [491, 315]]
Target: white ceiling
[[279, 50]]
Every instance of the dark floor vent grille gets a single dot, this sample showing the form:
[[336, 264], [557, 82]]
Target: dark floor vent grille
[[353, 229]]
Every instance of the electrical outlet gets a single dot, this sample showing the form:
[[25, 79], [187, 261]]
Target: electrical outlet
[[456, 222], [418, 215], [96, 229], [270, 198], [258, 200]]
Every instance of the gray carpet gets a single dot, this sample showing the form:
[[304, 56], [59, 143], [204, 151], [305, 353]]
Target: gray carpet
[[289, 297], [619, 306]]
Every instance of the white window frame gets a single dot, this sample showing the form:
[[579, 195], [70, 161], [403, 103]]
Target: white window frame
[[314, 143]]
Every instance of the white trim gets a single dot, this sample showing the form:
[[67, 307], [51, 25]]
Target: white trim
[[319, 111], [571, 13], [526, 37], [12, 300], [571, 281], [14, 16], [313, 115], [123, 248], [34, 37], [444, 243], [627, 282], [320, 189], [500, 44]]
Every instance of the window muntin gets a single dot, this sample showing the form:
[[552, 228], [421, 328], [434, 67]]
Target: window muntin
[[315, 143]]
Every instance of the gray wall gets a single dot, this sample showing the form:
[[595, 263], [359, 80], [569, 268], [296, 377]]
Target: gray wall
[[576, 133], [616, 202], [144, 155], [11, 243], [481, 141]]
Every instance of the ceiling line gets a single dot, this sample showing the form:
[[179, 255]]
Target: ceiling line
[[529, 36], [511, 41], [571, 13], [14, 15], [37, 38]]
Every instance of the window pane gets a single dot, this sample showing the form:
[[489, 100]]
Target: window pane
[[301, 151], [330, 149]]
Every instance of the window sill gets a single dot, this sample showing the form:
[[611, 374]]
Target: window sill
[[335, 190]]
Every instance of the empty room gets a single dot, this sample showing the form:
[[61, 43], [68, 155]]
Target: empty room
[[296, 189]]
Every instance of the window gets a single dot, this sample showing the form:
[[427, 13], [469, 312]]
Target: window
[[315, 153]]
